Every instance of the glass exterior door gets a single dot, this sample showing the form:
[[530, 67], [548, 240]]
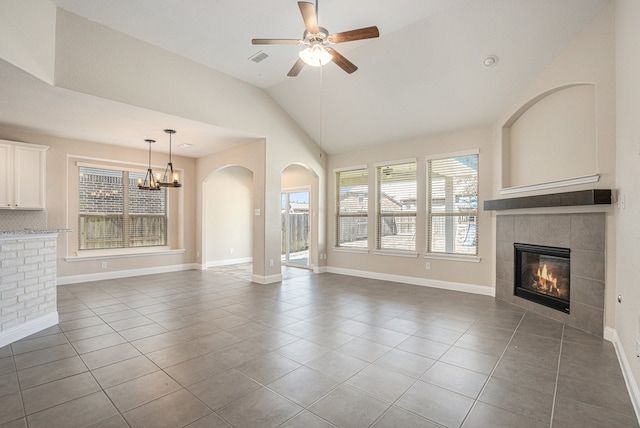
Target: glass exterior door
[[295, 228]]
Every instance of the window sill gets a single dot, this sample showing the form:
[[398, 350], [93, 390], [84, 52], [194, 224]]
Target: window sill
[[122, 253], [350, 250], [453, 257], [410, 254]]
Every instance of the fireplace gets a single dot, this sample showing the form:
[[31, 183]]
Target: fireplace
[[542, 275]]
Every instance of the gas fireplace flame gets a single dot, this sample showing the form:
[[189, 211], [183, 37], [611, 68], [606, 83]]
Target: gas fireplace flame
[[546, 279]]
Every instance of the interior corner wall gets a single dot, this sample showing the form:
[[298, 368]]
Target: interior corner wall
[[627, 315], [590, 58]]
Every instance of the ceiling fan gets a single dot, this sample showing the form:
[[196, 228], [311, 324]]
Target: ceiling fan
[[318, 42]]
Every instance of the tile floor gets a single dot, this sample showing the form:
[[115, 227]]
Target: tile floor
[[211, 349]]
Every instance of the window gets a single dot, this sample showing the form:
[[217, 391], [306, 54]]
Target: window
[[396, 206], [452, 205], [114, 213], [352, 206]]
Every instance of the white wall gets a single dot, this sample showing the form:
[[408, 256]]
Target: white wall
[[229, 215], [627, 317]]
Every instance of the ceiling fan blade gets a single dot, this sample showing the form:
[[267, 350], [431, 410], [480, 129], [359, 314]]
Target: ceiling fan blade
[[359, 34], [296, 69], [275, 41], [342, 62], [309, 16]]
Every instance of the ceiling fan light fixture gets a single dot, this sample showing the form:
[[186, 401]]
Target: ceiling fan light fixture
[[315, 55]]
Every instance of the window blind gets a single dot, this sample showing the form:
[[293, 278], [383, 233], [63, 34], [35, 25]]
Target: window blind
[[352, 207], [396, 206], [452, 205]]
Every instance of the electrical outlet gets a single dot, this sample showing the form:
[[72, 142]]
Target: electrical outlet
[[230, 250], [428, 265], [270, 262], [103, 265]]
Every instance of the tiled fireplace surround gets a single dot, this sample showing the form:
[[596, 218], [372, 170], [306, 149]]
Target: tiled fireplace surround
[[584, 234]]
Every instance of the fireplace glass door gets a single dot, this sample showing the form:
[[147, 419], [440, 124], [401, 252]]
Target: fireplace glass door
[[542, 275]]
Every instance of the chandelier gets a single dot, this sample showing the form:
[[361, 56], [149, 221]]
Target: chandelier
[[149, 182], [170, 178]]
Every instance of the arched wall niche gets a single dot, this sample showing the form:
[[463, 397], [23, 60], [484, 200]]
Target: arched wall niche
[[551, 139]]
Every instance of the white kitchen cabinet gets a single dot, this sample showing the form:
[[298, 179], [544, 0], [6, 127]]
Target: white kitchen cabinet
[[22, 176]]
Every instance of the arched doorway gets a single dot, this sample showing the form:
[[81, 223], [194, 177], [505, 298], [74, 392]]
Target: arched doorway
[[299, 219]]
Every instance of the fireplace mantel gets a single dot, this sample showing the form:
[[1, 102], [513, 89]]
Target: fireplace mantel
[[566, 199]]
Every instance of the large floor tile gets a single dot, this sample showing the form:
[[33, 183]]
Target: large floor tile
[[177, 409], [437, 404], [53, 393], [382, 383], [261, 408], [349, 408], [142, 390], [224, 388], [78, 413], [303, 385], [311, 351]]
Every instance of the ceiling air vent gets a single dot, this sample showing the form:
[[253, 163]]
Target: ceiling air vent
[[260, 56]]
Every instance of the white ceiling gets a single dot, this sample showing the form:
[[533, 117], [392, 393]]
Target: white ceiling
[[423, 76]]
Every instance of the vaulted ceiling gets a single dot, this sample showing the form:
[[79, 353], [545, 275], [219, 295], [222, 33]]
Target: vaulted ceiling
[[424, 75]]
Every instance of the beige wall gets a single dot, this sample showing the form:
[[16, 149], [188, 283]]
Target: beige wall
[[627, 316], [27, 36], [96, 60], [61, 203], [414, 267], [555, 138], [590, 59], [229, 215]]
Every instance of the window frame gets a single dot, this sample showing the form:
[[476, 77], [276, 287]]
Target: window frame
[[429, 253], [338, 215], [380, 216], [126, 216]]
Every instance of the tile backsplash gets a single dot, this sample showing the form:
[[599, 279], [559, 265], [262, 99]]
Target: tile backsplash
[[11, 220]]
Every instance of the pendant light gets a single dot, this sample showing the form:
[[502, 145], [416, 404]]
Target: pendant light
[[170, 178], [149, 182]]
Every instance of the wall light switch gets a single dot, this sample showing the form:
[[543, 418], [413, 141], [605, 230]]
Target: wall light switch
[[428, 265], [256, 211], [103, 265]]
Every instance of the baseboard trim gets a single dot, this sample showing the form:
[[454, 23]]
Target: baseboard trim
[[611, 335], [228, 262], [425, 282], [74, 279], [319, 269], [268, 279], [27, 329]]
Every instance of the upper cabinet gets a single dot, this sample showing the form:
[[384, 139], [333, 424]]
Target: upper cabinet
[[22, 176]]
